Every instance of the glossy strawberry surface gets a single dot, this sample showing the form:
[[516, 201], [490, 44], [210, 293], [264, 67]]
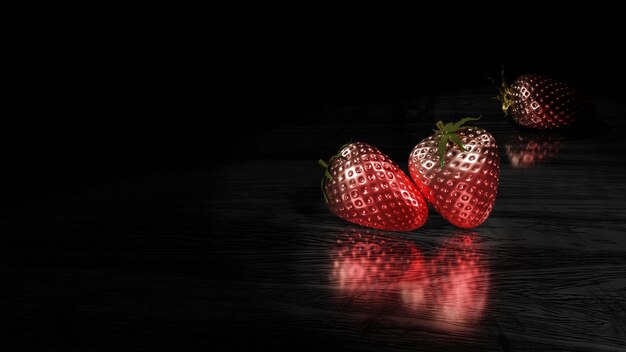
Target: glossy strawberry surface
[[464, 190], [540, 102], [365, 187]]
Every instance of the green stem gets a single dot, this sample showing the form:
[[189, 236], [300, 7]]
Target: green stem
[[505, 94], [326, 166], [448, 134]]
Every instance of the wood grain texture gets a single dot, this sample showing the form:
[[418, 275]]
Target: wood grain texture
[[245, 255]]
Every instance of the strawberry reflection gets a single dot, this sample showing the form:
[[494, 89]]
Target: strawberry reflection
[[529, 148], [451, 287], [447, 286], [367, 265]]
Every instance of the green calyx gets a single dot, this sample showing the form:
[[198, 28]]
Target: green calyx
[[326, 165], [505, 94], [447, 134], [327, 175]]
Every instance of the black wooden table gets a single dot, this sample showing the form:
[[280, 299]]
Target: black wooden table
[[245, 255]]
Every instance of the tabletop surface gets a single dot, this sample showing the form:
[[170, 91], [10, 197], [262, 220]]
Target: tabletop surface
[[246, 255]]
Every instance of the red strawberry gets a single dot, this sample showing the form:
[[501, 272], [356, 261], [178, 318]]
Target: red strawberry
[[457, 169], [368, 265], [526, 150], [362, 185], [540, 102]]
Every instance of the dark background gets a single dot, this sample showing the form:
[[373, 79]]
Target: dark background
[[105, 99], [110, 91]]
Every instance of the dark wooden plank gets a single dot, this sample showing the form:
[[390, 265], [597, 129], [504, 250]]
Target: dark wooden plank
[[246, 255]]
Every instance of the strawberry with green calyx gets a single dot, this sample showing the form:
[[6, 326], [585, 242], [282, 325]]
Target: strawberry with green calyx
[[539, 102], [457, 169], [364, 186], [448, 134]]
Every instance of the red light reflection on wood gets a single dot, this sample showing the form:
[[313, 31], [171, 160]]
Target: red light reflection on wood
[[446, 288]]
